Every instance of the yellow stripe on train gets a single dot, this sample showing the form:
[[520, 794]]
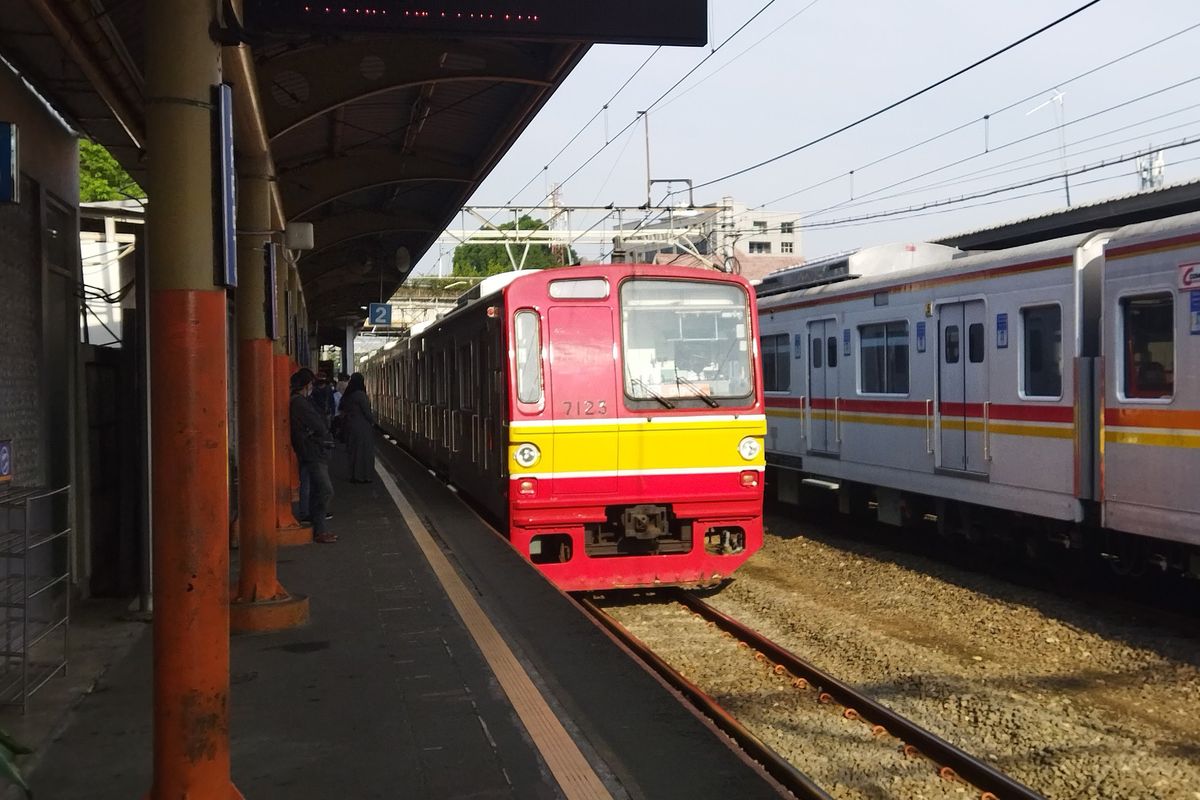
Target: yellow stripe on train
[[636, 447], [1154, 438]]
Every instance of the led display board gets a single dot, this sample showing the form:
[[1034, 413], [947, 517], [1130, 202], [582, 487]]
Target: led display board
[[665, 22]]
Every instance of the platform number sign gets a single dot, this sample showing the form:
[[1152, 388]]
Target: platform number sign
[[6, 461], [379, 314], [224, 187], [10, 164], [1001, 331]]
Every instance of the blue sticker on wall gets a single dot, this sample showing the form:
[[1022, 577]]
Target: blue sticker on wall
[[799, 345], [1195, 313], [1001, 331], [920, 337]]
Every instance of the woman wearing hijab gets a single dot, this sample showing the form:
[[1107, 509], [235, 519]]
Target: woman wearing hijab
[[360, 422]]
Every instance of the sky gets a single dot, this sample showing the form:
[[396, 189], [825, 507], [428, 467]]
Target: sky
[[803, 69]]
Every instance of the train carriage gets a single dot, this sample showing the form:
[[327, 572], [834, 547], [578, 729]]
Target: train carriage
[[1056, 381], [1151, 413], [610, 417]]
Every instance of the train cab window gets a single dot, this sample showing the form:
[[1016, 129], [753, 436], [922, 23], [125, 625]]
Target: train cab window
[[818, 347], [777, 375], [1148, 346], [952, 344], [975, 342], [579, 289], [528, 333], [883, 358], [1042, 372], [831, 351]]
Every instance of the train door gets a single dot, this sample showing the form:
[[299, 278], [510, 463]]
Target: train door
[[823, 386], [583, 394], [962, 382]]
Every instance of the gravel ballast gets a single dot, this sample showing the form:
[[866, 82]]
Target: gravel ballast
[[1073, 699]]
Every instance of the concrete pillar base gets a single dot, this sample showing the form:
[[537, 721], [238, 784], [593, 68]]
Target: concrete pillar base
[[293, 537], [267, 616]]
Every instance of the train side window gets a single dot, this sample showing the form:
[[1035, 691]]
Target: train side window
[[818, 347], [777, 375], [951, 344], [883, 358], [1042, 373], [831, 351], [528, 329], [1148, 346], [975, 342]]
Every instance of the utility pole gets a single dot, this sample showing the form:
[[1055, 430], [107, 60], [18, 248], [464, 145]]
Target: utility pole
[[646, 120]]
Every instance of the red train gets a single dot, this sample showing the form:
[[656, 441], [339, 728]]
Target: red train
[[609, 417]]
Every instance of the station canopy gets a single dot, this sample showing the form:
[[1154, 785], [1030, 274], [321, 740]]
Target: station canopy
[[383, 116]]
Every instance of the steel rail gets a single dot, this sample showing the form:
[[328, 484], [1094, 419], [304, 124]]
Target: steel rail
[[965, 766], [776, 765]]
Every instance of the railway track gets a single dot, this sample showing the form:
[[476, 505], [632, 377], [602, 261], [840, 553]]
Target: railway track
[[816, 692]]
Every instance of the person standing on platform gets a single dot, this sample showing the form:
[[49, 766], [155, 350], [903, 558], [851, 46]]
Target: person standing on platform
[[360, 422], [322, 398], [312, 443]]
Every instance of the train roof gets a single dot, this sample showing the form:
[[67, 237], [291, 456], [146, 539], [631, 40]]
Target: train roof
[[964, 264], [1158, 230]]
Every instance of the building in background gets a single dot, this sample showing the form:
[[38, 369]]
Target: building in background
[[749, 242]]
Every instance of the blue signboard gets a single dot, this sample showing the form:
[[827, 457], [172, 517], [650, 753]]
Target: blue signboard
[[225, 174], [379, 314], [10, 167], [846, 342], [6, 461], [1195, 308], [799, 346], [1001, 331], [920, 337]]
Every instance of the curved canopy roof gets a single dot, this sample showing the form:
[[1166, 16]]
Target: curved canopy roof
[[377, 139]]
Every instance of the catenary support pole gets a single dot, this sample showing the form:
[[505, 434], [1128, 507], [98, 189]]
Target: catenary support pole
[[260, 603], [189, 433]]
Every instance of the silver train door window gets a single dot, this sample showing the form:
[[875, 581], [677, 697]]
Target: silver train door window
[[962, 385], [823, 386]]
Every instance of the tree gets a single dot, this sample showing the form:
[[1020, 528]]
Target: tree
[[471, 260], [101, 177]]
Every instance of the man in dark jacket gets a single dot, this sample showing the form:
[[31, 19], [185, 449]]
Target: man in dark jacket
[[312, 443]]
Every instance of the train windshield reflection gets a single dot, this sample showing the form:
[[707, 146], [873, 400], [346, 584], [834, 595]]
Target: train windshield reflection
[[685, 339]]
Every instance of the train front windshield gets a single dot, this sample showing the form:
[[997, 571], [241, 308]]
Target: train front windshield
[[686, 340]]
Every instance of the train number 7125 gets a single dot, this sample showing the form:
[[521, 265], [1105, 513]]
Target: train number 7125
[[585, 408]]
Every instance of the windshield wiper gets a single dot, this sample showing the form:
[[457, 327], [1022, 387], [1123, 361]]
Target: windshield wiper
[[703, 395], [665, 402]]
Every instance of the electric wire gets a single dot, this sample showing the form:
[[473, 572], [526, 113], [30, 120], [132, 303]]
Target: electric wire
[[988, 116], [901, 101]]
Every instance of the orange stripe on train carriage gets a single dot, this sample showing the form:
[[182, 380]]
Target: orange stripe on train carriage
[[1009, 412], [984, 274], [1183, 419]]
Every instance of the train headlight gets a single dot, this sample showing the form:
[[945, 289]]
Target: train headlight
[[749, 448], [527, 455]]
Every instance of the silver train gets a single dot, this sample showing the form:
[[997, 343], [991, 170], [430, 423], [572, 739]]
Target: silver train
[[1049, 392]]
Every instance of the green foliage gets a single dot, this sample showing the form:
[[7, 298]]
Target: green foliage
[[471, 260], [101, 177], [9, 750]]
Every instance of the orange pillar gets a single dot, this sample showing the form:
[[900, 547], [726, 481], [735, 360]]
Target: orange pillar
[[189, 413], [261, 603]]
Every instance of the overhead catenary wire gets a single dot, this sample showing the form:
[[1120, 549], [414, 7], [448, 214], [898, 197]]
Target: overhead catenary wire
[[906, 99], [663, 96], [976, 120], [1186, 142]]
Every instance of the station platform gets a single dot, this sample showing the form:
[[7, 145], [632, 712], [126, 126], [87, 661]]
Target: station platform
[[437, 664]]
